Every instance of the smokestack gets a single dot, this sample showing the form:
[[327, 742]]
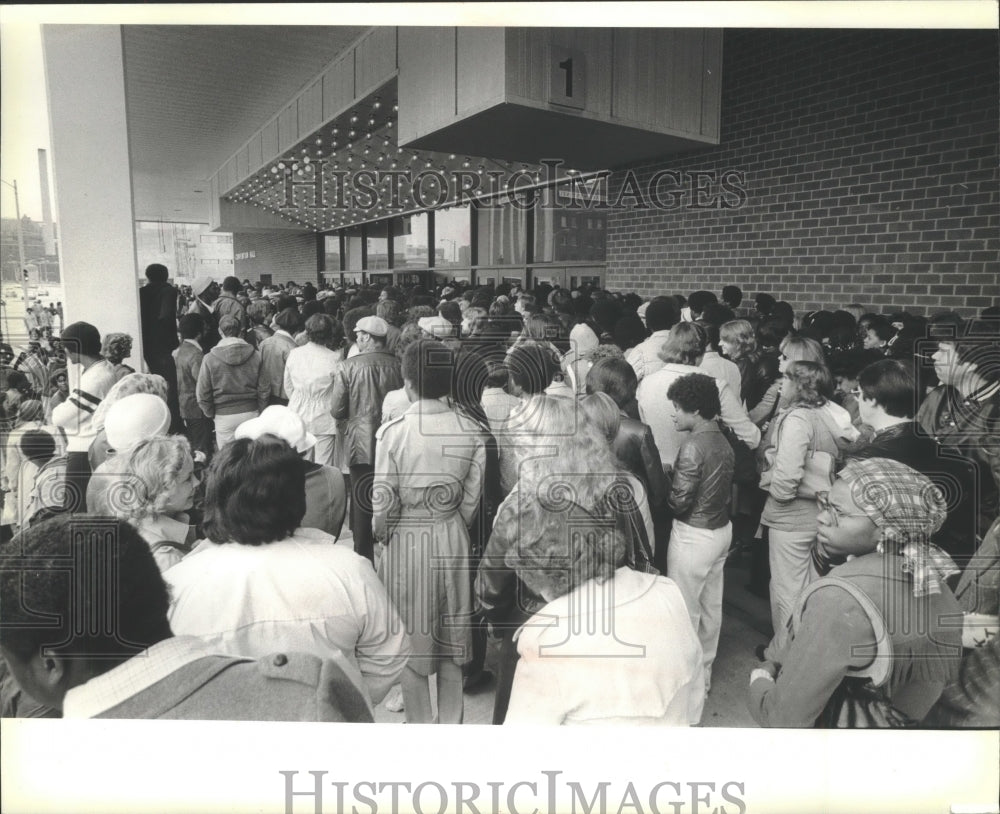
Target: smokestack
[[43, 180]]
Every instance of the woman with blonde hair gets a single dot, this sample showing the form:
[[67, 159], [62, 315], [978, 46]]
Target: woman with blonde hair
[[591, 654], [564, 461], [152, 486], [792, 349], [738, 343], [116, 349], [801, 451]]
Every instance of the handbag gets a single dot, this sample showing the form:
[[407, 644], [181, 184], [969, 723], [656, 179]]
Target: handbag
[[860, 700], [859, 704], [817, 473], [744, 465]]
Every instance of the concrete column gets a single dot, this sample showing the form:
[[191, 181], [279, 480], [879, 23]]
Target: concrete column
[[88, 120]]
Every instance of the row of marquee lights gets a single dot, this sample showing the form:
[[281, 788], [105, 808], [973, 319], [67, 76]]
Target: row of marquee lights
[[364, 142]]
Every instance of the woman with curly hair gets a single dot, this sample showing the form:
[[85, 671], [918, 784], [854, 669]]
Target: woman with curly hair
[[801, 450], [117, 348], [738, 343], [152, 486], [791, 349], [429, 474], [58, 391], [579, 654], [561, 456]]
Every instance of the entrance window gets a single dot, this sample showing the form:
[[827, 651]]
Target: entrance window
[[352, 249], [452, 244], [410, 242], [563, 235], [377, 235], [502, 236], [331, 253]]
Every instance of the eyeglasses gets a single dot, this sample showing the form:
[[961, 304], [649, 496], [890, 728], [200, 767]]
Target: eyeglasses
[[823, 500], [856, 392]]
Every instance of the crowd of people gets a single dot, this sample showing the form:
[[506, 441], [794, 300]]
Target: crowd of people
[[563, 472]]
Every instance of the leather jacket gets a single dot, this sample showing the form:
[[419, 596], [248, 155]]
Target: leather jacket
[[758, 371], [701, 490], [636, 450], [358, 390]]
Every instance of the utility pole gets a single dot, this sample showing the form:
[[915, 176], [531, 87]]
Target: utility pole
[[20, 242]]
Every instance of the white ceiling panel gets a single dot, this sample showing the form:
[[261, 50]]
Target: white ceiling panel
[[197, 93]]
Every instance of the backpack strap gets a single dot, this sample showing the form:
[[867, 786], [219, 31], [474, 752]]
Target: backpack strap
[[878, 669]]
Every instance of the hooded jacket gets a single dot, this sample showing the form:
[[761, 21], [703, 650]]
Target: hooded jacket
[[229, 381]]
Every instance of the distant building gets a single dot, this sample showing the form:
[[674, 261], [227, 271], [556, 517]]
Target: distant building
[[34, 252]]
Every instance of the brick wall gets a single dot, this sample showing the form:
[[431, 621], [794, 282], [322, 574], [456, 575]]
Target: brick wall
[[870, 161], [285, 257]]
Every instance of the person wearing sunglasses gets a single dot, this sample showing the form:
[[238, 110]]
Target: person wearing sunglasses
[[882, 609]]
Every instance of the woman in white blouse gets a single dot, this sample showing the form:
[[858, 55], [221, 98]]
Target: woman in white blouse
[[309, 375]]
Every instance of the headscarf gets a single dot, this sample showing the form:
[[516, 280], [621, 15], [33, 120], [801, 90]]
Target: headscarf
[[908, 509]]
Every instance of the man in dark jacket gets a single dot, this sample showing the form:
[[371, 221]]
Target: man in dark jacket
[[158, 315], [110, 653], [206, 292], [963, 414], [228, 306], [885, 401], [360, 386]]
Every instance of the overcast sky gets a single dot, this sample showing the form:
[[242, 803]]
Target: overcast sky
[[25, 120]]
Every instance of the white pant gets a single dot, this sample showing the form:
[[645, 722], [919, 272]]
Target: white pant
[[789, 558], [695, 560], [225, 426]]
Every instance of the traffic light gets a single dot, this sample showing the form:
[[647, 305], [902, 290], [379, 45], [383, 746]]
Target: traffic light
[[25, 273]]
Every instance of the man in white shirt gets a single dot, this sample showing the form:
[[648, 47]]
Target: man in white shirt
[[682, 352], [660, 316]]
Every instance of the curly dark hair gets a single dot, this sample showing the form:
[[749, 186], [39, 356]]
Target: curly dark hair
[[51, 571], [696, 393]]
